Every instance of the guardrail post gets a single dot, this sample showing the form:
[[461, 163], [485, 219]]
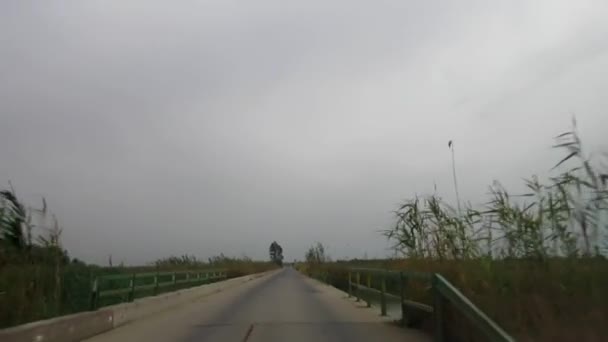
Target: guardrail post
[[383, 295], [174, 278], [438, 311], [369, 285], [358, 284], [403, 285], [187, 276], [350, 284], [156, 282], [94, 293], [132, 293]]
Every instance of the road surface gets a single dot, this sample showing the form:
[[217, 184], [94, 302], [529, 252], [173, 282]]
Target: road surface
[[283, 306]]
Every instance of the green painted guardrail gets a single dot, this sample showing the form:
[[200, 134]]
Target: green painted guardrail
[[128, 285], [443, 291]]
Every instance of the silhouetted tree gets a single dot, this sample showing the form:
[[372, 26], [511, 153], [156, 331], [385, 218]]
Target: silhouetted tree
[[276, 253]]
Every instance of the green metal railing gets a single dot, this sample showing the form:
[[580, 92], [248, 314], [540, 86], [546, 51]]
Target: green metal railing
[[443, 292], [127, 286]]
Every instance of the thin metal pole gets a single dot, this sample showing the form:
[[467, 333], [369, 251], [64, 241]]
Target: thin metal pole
[[132, 293], [156, 284], [403, 284], [350, 284], [358, 284], [438, 312], [94, 293], [369, 285], [451, 145], [383, 295]]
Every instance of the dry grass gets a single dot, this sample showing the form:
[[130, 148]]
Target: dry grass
[[554, 300], [534, 262]]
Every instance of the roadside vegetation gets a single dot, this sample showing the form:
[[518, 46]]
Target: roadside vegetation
[[535, 261], [39, 279]]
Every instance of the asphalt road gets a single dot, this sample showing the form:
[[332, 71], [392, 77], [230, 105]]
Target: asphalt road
[[283, 306]]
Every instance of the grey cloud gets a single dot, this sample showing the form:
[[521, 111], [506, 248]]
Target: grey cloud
[[158, 128]]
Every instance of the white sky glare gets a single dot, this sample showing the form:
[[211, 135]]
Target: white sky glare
[[159, 128]]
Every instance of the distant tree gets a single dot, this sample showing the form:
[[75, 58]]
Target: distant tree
[[276, 253], [76, 261], [316, 254]]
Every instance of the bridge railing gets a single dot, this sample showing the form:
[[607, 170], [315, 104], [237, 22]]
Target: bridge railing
[[126, 287], [363, 282]]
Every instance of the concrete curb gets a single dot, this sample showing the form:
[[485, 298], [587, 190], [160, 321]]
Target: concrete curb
[[79, 326], [71, 328]]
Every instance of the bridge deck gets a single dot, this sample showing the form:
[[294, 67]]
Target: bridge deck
[[284, 306]]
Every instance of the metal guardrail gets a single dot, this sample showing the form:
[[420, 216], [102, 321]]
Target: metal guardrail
[[445, 290], [134, 282], [442, 290]]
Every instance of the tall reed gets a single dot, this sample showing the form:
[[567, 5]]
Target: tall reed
[[563, 216]]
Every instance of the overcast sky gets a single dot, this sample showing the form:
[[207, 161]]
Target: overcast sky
[[169, 127]]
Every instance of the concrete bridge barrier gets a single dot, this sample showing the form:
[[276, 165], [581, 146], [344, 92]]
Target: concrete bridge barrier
[[70, 328], [76, 327]]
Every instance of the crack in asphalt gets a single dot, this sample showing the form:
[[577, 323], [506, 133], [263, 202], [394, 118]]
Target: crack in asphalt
[[248, 334]]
